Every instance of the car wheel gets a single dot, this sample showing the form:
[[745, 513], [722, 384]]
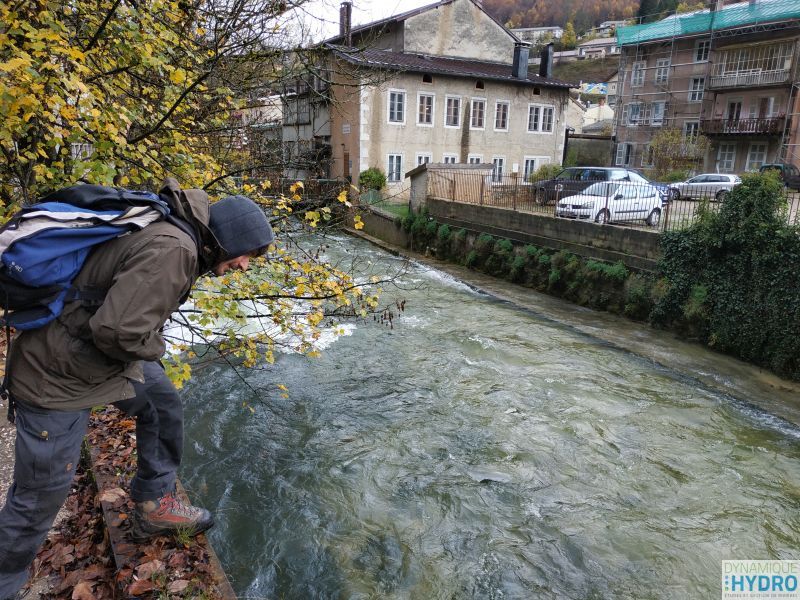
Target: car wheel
[[603, 217], [674, 195], [654, 218], [721, 195]]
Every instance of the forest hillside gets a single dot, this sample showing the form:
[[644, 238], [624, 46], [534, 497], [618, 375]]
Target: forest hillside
[[584, 14]]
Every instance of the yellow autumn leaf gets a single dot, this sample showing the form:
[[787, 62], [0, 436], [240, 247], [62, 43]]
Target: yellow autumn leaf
[[178, 76], [20, 62], [75, 54]]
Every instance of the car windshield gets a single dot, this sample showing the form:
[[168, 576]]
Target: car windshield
[[600, 189]]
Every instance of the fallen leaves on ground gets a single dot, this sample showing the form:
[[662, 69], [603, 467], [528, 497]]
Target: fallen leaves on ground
[[78, 557]]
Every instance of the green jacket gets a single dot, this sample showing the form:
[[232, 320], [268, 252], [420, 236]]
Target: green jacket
[[87, 358]]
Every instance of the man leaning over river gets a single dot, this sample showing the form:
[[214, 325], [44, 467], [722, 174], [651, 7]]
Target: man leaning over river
[[110, 355]]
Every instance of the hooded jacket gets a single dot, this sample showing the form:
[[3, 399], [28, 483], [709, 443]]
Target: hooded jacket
[[89, 357]]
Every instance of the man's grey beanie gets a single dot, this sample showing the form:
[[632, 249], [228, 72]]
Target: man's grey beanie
[[240, 226]]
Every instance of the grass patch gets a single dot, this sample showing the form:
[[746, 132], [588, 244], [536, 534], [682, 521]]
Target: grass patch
[[398, 210]]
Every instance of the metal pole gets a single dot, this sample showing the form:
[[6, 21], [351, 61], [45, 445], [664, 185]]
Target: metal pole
[[516, 191]]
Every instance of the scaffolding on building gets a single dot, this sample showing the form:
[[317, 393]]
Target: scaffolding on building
[[676, 99]]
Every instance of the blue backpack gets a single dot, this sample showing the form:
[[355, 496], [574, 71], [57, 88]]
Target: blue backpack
[[44, 246]]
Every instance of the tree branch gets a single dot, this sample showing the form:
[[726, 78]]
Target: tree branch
[[103, 25]]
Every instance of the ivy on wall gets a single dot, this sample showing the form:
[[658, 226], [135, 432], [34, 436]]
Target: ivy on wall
[[733, 279]]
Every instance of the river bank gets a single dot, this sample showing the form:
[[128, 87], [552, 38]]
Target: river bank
[[752, 386]]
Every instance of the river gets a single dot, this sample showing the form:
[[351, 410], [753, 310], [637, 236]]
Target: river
[[479, 450]]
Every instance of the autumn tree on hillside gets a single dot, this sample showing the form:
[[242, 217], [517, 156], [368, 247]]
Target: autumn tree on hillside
[[584, 14], [118, 92], [569, 39]]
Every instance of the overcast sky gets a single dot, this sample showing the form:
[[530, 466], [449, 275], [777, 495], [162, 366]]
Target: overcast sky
[[321, 17]]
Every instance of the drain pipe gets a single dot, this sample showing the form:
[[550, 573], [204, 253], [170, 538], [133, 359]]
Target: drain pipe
[[567, 131]]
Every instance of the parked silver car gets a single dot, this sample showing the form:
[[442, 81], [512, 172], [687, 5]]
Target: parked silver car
[[604, 202], [713, 186]]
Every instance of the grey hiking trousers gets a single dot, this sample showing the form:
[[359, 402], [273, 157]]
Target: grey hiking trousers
[[47, 452]]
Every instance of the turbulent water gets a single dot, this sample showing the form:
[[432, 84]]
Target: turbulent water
[[481, 451]]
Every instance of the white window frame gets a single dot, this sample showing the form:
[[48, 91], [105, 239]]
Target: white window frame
[[732, 160], [497, 175], [472, 103], [389, 106], [638, 73], [539, 121], [750, 162], [433, 109], [389, 171], [81, 150], [537, 161], [420, 155], [534, 124], [701, 47], [475, 159], [447, 100], [662, 70], [552, 110], [449, 158], [623, 148], [497, 106], [695, 129], [655, 118], [639, 118], [696, 94]]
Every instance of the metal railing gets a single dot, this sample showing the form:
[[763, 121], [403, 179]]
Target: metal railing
[[659, 207], [771, 126], [746, 78]]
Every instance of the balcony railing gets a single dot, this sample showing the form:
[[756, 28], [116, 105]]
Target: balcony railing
[[748, 78], [771, 126]]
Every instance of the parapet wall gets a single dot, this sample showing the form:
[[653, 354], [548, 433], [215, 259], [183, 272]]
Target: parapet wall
[[638, 249]]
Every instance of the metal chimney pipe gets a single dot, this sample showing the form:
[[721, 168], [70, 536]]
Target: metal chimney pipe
[[346, 22], [521, 54], [546, 64]]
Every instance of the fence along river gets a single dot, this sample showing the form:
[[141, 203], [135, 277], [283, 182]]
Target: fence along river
[[478, 450]]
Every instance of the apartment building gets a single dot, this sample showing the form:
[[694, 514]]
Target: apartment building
[[729, 72], [535, 35], [444, 83]]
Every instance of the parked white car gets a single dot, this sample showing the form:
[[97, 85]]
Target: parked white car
[[604, 202], [714, 186]]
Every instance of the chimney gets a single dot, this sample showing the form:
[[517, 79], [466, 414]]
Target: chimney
[[521, 54], [346, 22], [546, 64]]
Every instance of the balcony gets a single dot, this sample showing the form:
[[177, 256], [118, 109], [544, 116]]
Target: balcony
[[748, 78], [743, 127]]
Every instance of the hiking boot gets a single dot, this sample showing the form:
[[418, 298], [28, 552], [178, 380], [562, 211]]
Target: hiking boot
[[168, 515]]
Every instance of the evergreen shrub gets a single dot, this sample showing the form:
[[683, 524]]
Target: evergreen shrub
[[732, 279]]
